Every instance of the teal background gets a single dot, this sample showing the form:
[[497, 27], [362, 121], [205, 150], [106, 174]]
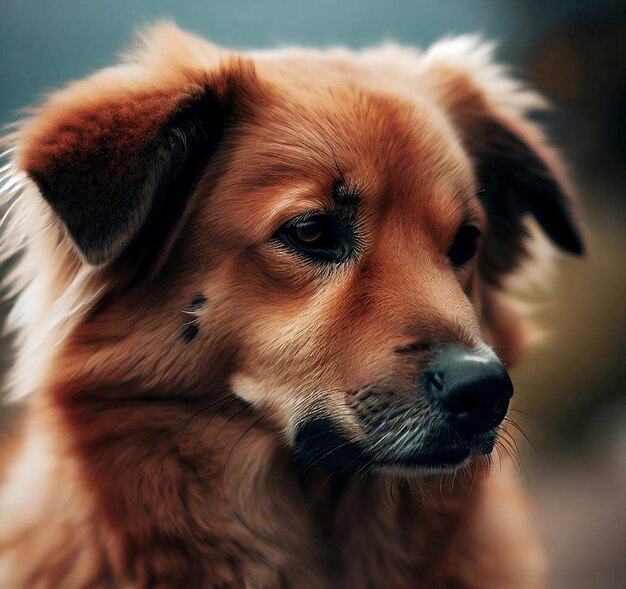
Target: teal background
[[45, 43]]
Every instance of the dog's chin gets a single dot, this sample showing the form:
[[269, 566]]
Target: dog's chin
[[421, 463]]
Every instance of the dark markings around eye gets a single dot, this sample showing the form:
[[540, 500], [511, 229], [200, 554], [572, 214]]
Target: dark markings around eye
[[189, 330]]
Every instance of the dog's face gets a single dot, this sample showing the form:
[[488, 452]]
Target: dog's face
[[355, 270], [334, 226]]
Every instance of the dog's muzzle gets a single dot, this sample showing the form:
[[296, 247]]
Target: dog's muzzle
[[453, 411]]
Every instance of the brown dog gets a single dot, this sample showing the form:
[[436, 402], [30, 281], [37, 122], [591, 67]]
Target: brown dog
[[255, 291]]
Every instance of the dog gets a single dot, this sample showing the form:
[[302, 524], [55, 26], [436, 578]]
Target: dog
[[263, 319]]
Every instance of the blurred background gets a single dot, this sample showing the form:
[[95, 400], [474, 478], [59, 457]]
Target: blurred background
[[570, 393]]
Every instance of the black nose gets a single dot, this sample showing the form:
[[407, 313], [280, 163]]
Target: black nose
[[472, 386]]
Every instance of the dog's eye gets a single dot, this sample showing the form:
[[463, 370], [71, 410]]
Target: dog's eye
[[320, 237], [465, 245]]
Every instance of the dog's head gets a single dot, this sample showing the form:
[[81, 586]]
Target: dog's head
[[324, 234]]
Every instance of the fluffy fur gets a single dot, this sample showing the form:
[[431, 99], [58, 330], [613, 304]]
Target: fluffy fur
[[143, 201]]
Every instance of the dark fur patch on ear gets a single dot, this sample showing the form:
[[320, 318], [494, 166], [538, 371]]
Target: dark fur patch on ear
[[517, 171], [515, 180], [118, 167], [184, 147]]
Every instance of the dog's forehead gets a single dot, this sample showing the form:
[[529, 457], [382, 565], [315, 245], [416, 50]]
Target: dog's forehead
[[305, 136]]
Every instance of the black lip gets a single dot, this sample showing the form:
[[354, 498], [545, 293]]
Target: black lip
[[320, 442], [448, 457]]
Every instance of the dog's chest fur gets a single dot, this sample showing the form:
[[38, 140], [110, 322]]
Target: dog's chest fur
[[211, 500]]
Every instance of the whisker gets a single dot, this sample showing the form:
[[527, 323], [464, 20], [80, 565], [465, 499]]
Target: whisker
[[513, 454], [199, 412], [242, 520], [516, 410], [521, 431], [319, 488]]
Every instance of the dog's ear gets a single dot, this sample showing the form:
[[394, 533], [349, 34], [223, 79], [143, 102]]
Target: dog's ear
[[517, 172], [118, 155]]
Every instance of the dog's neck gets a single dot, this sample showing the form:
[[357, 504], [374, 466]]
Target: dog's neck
[[205, 478]]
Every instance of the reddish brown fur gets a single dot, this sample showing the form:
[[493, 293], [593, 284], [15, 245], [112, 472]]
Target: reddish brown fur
[[154, 476]]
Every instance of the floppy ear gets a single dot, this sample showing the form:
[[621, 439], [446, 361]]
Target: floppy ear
[[517, 172], [117, 156]]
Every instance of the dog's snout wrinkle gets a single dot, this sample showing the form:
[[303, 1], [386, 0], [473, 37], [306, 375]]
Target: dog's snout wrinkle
[[416, 347]]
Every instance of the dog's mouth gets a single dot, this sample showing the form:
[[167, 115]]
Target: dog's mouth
[[319, 442], [440, 458]]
